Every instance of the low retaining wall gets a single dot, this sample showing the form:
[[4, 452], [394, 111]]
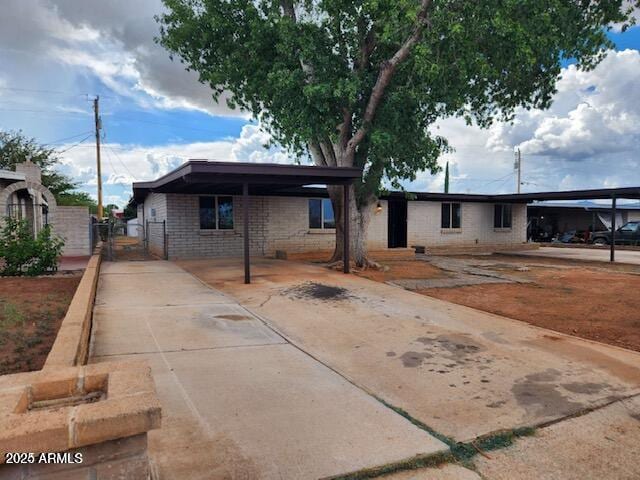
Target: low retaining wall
[[71, 346], [99, 414]]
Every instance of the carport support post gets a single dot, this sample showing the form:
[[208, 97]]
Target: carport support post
[[613, 228], [245, 216], [345, 246]]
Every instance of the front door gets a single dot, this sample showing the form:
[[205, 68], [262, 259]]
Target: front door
[[397, 224]]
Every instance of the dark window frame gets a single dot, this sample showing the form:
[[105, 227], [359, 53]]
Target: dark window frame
[[448, 217], [503, 216], [216, 209], [323, 220]]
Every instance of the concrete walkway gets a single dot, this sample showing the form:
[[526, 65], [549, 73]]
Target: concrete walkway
[[239, 401], [584, 254], [462, 372]]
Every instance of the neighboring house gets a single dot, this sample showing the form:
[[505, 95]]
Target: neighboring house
[[187, 214], [551, 219], [23, 196]]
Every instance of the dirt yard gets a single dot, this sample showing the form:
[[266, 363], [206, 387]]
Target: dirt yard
[[589, 300], [31, 311]]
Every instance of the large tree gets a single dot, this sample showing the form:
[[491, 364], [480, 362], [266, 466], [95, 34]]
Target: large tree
[[362, 82]]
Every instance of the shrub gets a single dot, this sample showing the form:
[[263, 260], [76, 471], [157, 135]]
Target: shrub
[[24, 254]]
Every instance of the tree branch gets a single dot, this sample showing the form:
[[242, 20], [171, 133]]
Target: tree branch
[[316, 153], [290, 11], [385, 75]]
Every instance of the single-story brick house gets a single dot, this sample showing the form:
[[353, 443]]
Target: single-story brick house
[[197, 211]]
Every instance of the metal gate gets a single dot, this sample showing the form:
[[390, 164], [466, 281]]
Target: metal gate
[[124, 241]]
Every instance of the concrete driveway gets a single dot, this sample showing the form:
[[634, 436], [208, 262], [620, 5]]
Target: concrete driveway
[[461, 372], [238, 400], [583, 254]]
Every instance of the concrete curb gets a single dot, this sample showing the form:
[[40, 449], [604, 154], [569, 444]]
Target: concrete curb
[[71, 346]]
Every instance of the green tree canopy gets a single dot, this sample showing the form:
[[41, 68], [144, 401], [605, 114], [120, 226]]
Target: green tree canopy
[[16, 148], [362, 82]]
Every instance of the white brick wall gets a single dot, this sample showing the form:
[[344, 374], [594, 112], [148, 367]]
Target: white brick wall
[[155, 203], [281, 223], [424, 221], [72, 224]]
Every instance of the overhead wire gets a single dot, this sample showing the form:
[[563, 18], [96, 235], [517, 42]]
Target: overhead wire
[[75, 144]]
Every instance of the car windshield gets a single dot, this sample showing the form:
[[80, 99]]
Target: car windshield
[[631, 226]]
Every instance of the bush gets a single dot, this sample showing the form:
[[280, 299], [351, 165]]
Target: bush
[[24, 254]]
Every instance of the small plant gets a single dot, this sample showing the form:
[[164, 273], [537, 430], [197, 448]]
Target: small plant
[[22, 253], [12, 315]]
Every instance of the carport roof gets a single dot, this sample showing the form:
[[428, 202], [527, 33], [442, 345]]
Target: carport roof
[[198, 176], [201, 176]]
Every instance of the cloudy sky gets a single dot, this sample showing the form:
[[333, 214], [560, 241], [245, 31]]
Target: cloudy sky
[[56, 55]]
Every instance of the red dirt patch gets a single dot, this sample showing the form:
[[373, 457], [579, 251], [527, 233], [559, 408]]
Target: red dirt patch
[[31, 311], [591, 303], [399, 269]]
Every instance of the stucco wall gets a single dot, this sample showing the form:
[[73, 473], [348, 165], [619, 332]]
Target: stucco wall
[[424, 225], [73, 225]]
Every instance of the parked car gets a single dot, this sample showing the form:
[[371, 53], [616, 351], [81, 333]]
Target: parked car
[[628, 234]]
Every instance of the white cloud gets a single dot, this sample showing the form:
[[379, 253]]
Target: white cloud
[[596, 112], [124, 164], [589, 138]]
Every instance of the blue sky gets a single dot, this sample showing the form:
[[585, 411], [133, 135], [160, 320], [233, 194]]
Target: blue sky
[[155, 115]]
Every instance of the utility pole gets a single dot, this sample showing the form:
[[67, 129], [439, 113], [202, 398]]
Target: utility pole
[[518, 166], [98, 123]]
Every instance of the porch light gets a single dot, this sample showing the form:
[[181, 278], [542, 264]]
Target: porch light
[[378, 208]]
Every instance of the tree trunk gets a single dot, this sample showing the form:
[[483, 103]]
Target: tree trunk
[[327, 154], [359, 218]]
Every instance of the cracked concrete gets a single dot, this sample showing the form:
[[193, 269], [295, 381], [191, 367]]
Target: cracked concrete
[[460, 272], [238, 400], [462, 372]]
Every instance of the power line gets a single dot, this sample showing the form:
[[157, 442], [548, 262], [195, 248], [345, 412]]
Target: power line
[[66, 138], [76, 144], [120, 160]]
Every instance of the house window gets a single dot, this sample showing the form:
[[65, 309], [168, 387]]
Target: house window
[[321, 213], [502, 216], [451, 215], [216, 213]]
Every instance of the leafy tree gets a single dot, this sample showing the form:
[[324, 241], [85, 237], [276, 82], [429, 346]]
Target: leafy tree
[[16, 148], [362, 82], [108, 209], [130, 211], [78, 198]]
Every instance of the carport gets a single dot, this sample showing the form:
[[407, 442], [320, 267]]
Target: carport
[[613, 194], [247, 179]]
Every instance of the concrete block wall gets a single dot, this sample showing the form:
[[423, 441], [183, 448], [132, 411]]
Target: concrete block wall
[[424, 225], [73, 225], [275, 223], [288, 227], [155, 210], [281, 223], [187, 240]]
